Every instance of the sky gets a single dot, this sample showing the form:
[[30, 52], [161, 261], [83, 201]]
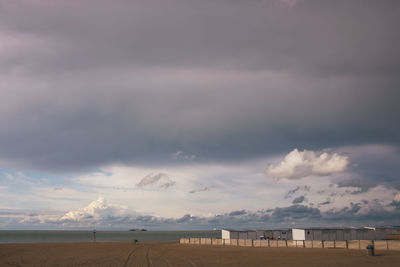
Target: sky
[[184, 114]]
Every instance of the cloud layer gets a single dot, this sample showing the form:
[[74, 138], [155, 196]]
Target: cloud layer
[[103, 215], [88, 84]]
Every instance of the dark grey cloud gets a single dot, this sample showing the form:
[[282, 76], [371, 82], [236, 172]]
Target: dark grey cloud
[[307, 188], [291, 192], [160, 179], [88, 83], [361, 184], [344, 213], [296, 212], [185, 218], [201, 189], [237, 212], [327, 202], [299, 200]]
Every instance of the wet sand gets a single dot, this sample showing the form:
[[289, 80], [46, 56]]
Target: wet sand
[[174, 254]]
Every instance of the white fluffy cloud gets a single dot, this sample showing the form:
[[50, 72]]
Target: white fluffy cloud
[[96, 210], [298, 164]]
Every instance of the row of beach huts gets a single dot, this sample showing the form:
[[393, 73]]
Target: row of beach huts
[[382, 238], [340, 234]]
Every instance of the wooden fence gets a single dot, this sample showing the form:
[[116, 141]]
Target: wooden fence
[[348, 244]]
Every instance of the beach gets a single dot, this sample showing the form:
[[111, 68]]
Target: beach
[[173, 254]]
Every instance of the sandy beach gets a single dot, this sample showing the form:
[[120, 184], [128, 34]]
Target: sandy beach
[[174, 254]]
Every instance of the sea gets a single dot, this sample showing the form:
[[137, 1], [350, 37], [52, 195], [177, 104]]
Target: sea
[[50, 236]]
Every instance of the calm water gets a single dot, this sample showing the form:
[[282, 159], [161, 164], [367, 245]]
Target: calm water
[[101, 236]]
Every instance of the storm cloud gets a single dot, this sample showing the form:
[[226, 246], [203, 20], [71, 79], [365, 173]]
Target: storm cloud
[[87, 83]]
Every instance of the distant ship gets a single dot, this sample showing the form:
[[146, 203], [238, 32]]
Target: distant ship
[[137, 229]]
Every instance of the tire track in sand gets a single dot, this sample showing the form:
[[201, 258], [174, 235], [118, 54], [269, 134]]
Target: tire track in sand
[[132, 253], [164, 259], [148, 258]]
